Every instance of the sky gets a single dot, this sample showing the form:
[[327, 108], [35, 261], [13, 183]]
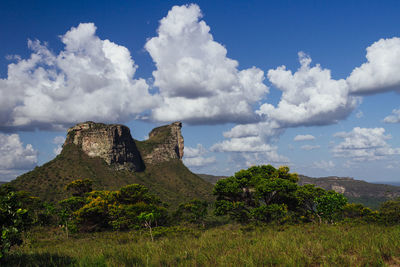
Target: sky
[[313, 85]]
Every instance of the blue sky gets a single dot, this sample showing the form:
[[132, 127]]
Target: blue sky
[[309, 84]]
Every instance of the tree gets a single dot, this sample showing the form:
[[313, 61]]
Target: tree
[[306, 196], [250, 193], [148, 218], [193, 211], [390, 211], [13, 220], [80, 187], [116, 210], [330, 205]]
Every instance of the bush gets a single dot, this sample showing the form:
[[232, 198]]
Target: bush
[[13, 220], [390, 212]]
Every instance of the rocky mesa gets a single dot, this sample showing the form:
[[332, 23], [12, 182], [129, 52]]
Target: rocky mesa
[[111, 142], [109, 156]]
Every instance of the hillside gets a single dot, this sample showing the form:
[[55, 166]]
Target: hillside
[[356, 191], [169, 179]]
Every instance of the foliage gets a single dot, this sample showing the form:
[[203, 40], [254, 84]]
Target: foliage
[[13, 220], [80, 187], [390, 211], [261, 193], [306, 196], [358, 212], [269, 213], [330, 206], [116, 210], [193, 211]]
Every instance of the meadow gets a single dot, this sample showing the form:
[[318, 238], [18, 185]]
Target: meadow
[[344, 244]]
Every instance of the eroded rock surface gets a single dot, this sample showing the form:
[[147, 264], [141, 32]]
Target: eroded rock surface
[[111, 142], [164, 143]]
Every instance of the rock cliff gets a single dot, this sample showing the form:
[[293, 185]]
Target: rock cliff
[[111, 142], [164, 143]]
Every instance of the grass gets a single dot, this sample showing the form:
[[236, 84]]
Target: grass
[[229, 245]]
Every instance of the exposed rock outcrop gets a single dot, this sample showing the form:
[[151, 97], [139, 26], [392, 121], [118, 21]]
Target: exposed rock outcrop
[[111, 142], [164, 143]]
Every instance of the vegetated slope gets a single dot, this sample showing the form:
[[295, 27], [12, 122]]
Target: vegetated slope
[[210, 178], [169, 179], [356, 191]]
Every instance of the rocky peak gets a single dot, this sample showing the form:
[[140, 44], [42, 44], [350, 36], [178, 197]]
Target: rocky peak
[[111, 142], [164, 143]]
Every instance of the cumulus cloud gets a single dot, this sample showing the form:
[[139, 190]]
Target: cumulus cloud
[[364, 144], [310, 147], [58, 141], [252, 147], [324, 165], [91, 79], [309, 96], [196, 79], [194, 157], [14, 156], [305, 137], [394, 117], [381, 71]]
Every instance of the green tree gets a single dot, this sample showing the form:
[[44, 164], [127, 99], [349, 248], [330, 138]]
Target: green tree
[[80, 187], [193, 211], [250, 193], [306, 196], [330, 206], [13, 220], [390, 211], [148, 219]]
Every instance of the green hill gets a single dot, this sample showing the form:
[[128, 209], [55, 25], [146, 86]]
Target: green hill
[[169, 179]]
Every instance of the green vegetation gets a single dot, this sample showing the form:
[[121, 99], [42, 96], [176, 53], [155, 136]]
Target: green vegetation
[[229, 245], [171, 181], [281, 224]]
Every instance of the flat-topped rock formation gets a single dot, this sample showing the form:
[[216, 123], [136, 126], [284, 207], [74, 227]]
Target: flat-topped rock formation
[[164, 143], [111, 142]]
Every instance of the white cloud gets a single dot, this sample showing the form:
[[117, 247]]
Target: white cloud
[[364, 144], [91, 79], [309, 96], [394, 117], [381, 71], [198, 82], [310, 147], [14, 157], [359, 114], [253, 148], [59, 141], [324, 165], [194, 156], [191, 152], [199, 161], [306, 137]]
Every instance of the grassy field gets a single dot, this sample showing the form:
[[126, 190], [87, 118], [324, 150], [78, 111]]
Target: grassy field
[[229, 245]]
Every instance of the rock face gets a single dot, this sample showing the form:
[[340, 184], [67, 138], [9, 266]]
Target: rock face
[[111, 142], [164, 143]]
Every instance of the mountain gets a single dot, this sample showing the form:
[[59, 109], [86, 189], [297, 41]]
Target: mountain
[[356, 191], [111, 158]]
